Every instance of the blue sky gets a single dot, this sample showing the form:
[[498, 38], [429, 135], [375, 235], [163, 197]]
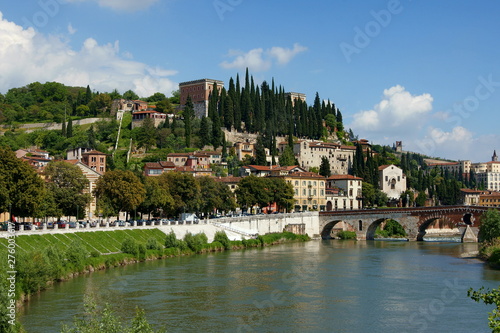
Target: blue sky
[[423, 72]]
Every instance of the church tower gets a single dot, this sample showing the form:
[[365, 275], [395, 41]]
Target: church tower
[[494, 158]]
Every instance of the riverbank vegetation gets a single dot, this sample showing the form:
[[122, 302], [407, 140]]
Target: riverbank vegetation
[[489, 237], [41, 260]]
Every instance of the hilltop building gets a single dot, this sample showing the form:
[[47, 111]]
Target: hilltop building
[[199, 91], [309, 154]]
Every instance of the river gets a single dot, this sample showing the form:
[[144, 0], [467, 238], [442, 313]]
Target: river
[[318, 286]]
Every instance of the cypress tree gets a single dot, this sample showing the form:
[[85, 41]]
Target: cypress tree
[[204, 133], [88, 95], [63, 127], [69, 129], [340, 123], [188, 118], [324, 168]]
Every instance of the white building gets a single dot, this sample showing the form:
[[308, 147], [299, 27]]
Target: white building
[[343, 192], [392, 181]]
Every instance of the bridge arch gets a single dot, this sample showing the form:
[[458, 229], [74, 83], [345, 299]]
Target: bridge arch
[[326, 232], [372, 228]]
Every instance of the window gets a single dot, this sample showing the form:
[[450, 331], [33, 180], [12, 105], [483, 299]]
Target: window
[[93, 159], [296, 183]]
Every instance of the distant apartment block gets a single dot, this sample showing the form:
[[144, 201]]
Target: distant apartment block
[[487, 173], [199, 91], [139, 117], [37, 158]]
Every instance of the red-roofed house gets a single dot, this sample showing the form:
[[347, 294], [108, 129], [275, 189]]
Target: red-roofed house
[[157, 168], [344, 192]]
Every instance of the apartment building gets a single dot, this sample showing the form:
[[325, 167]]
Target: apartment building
[[343, 192], [309, 190]]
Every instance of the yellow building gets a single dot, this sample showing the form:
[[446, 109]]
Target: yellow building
[[309, 190]]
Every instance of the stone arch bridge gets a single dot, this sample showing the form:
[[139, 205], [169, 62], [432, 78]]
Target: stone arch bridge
[[414, 220]]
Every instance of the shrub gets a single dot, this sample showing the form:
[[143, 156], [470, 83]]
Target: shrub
[[76, 254], [153, 244], [130, 246], [95, 254], [344, 234], [221, 237], [196, 242], [171, 240]]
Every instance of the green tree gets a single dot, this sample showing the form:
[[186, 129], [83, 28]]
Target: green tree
[[69, 128], [185, 191], [204, 133], [22, 190], [158, 197], [66, 182], [287, 158], [119, 191], [253, 191], [490, 225], [130, 95], [281, 193], [188, 120], [324, 168], [489, 297]]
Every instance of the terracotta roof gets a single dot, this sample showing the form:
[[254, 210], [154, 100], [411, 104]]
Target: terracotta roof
[[382, 167], [228, 179], [344, 177], [94, 152], [159, 165], [444, 163], [146, 112], [306, 174], [467, 190]]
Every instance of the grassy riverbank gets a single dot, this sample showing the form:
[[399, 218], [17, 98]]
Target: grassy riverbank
[[490, 252], [41, 260]]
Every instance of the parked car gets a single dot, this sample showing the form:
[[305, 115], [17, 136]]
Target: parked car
[[121, 223], [62, 224], [73, 224]]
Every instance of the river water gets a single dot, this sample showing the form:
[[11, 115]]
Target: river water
[[318, 286]]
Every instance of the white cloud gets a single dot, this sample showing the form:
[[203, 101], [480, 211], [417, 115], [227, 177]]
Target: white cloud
[[123, 5], [399, 112], [458, 143], [71, 30], [259, 60], [27, 56], [284, 55], [253, 59]]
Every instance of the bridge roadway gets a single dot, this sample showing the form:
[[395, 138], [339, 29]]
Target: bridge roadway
[[414, 220]]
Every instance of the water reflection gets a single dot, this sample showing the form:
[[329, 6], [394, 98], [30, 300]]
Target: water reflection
[[323, 286]]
